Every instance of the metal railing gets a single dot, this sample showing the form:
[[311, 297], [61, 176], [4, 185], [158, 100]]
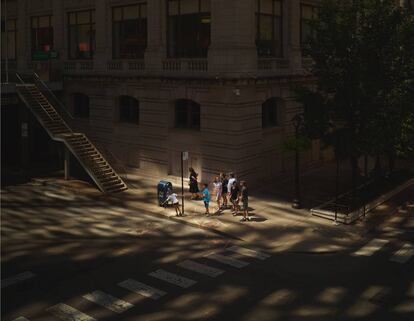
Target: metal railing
[[113, 160], [51, 96]]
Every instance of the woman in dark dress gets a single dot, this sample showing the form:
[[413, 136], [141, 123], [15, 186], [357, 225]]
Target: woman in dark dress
[[193, 183]]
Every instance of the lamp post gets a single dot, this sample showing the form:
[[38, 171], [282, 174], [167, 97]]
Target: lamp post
[[297, 123]]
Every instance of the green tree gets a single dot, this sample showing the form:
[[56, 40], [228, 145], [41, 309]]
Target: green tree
[[363, 66]]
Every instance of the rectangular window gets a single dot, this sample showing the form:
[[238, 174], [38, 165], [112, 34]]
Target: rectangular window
[[8, 39], [81, 34], [42, 34], [188, 28], [129, 31], [269, 40], [307, 14]]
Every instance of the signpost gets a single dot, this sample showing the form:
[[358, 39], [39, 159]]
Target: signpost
[[184, 156]]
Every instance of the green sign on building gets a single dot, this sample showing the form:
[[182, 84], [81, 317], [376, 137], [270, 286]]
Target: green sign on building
[[44, 55]]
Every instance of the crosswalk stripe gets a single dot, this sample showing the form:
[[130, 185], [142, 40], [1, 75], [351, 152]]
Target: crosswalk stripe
[[403, 254], [200, 268], [370, 248], [108, 301], [21, 319], [142, 289], [227, 260], [67, 313], [248, 252], [173, 278], [17, 278]]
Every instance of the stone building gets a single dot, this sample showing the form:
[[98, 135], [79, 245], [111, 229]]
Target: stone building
[[150, 79]]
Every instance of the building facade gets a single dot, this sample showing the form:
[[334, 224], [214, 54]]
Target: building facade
[[150, 79]]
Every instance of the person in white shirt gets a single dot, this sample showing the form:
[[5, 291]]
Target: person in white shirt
[[217, 190], [174, 199], [232, 179]]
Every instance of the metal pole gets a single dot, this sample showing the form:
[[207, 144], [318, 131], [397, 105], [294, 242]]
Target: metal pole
[[67, 163], [182, 182], [7, 41], [296, 202], [336, 187]]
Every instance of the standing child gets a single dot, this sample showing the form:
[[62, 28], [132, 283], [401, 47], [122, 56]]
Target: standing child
[[206, 198], [234, 197], [245, 201], [217, 190], [173, 198], [230, 183], [224, 182]]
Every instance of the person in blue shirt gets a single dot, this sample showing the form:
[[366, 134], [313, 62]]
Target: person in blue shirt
[[206, 198]]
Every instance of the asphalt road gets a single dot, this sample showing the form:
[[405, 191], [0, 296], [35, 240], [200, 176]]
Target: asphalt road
[[68, 257]]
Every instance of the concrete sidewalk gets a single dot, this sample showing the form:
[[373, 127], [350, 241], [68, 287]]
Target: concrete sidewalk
[[275, 226]]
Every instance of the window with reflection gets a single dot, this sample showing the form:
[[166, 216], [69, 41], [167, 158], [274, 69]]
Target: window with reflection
[[188, 30], [187, 114], [8, 39], [270, 113], [269, 40], [42, 34], [81, 34], [307, 14], [80, 103], [128, 110], [129, 31]]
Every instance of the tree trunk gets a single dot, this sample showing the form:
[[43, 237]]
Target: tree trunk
[[354, 167], [377, 168], [391, 162]]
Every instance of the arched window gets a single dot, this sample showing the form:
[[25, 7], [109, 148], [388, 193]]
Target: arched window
[[187, 114], [80, 105], [270, 113], [128, 110]]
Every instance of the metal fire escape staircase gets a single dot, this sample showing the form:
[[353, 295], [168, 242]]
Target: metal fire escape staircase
[[37, 97]]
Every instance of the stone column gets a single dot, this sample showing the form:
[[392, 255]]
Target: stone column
[[293, 35], [232, 51], [157, 38], [59, 37], [102, 23], [22, 37]]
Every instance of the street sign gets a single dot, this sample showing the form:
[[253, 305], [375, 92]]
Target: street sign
[[185, 155], [44, 55]]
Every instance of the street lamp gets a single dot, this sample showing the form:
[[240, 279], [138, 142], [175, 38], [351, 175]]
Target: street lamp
[[297, 123]]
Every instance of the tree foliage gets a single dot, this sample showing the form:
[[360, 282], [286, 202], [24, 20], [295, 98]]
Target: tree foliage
[[363, 62]]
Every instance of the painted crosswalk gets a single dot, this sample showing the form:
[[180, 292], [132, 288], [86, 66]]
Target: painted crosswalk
[[67, 313], [173, 278], [403, 254], [108, 301], [227, 260], [17, 278], [142, 289], [200, 268], [370, 248], [248, 252]]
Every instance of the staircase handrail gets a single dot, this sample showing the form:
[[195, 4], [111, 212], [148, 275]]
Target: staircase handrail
[[103, 157], [53, 96], [20, 78], [105, 150], [23, 84]]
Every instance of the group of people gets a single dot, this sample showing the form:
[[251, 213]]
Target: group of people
[[226, 189]]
